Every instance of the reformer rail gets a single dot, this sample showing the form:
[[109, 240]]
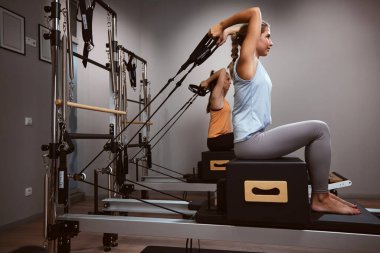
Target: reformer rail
[[181, 228]]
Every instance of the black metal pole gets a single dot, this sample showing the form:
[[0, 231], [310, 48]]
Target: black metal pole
[[96, 199]]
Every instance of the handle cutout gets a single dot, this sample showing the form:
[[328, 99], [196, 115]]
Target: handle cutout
[[218, 164], [258, 191], [266, 191]]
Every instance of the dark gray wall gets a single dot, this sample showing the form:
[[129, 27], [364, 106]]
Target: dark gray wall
[[25, 92]]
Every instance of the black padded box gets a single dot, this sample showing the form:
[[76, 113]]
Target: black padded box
[[267, 192], [214, 164]]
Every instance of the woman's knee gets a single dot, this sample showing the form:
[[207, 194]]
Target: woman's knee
[[322, 127]]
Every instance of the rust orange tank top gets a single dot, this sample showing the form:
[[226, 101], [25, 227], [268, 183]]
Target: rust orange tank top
[[220, 121]]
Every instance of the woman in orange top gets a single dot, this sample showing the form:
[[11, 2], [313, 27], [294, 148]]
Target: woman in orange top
[[220, 135]]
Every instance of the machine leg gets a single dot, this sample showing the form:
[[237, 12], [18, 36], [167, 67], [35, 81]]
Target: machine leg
[[109, 241]]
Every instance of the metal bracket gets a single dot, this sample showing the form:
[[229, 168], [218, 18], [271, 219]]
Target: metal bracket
[[62, 230], [53, 150], [127, 189]]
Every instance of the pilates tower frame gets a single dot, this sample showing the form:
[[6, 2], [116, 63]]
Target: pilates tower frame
[[57, 235]]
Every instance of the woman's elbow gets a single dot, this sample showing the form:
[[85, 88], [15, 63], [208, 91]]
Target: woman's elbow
[[223, 70], [255, 11]]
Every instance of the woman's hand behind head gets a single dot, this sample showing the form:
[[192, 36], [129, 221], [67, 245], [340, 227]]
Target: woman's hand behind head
[[218, 33]]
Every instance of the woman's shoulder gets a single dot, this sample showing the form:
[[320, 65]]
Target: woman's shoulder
[[246, 76]]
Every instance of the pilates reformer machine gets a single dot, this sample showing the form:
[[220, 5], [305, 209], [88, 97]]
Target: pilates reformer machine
[[251, 206]]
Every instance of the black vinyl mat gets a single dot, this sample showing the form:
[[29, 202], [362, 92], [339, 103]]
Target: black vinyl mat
[[161, 249], [365, 223]]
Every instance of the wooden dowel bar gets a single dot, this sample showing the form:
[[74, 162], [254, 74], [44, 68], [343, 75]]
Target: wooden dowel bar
[[90, 107]]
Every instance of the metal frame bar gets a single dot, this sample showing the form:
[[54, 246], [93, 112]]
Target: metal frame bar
[[177, 186], [92, 61], [106, 7], [50, 188], [373, 210], [338, 185], [131, 53], [132, 205]]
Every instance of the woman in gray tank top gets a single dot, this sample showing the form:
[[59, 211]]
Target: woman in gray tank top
[[252, 110]]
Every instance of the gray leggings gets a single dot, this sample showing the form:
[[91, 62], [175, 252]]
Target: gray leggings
[[314, 135]]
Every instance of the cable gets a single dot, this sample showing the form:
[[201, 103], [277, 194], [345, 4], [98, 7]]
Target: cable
[[165, 124], [171, 93], [150, 188], [167, 169], [203, 51], [160, 172], [119, 153], [145, 107], [184, 195], [189, 103], [178, 84], [182, 108], [167, 130]]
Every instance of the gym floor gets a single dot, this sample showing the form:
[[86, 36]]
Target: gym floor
[[31, 233]]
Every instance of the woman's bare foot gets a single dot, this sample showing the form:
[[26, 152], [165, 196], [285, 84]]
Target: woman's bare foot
[[323, 202], [343, 201]]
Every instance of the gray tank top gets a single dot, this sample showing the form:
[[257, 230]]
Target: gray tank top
[[252, 104]]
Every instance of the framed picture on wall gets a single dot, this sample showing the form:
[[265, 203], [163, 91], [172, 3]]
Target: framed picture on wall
[[44, 48], [12, 31]]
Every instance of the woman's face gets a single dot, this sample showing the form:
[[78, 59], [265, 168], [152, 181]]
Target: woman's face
[[264, 43]]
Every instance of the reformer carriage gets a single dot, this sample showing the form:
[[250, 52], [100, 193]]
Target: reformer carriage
[[274, 203]]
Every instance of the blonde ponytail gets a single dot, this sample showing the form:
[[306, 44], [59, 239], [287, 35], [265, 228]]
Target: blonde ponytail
[[234, 52], [237, 40]]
